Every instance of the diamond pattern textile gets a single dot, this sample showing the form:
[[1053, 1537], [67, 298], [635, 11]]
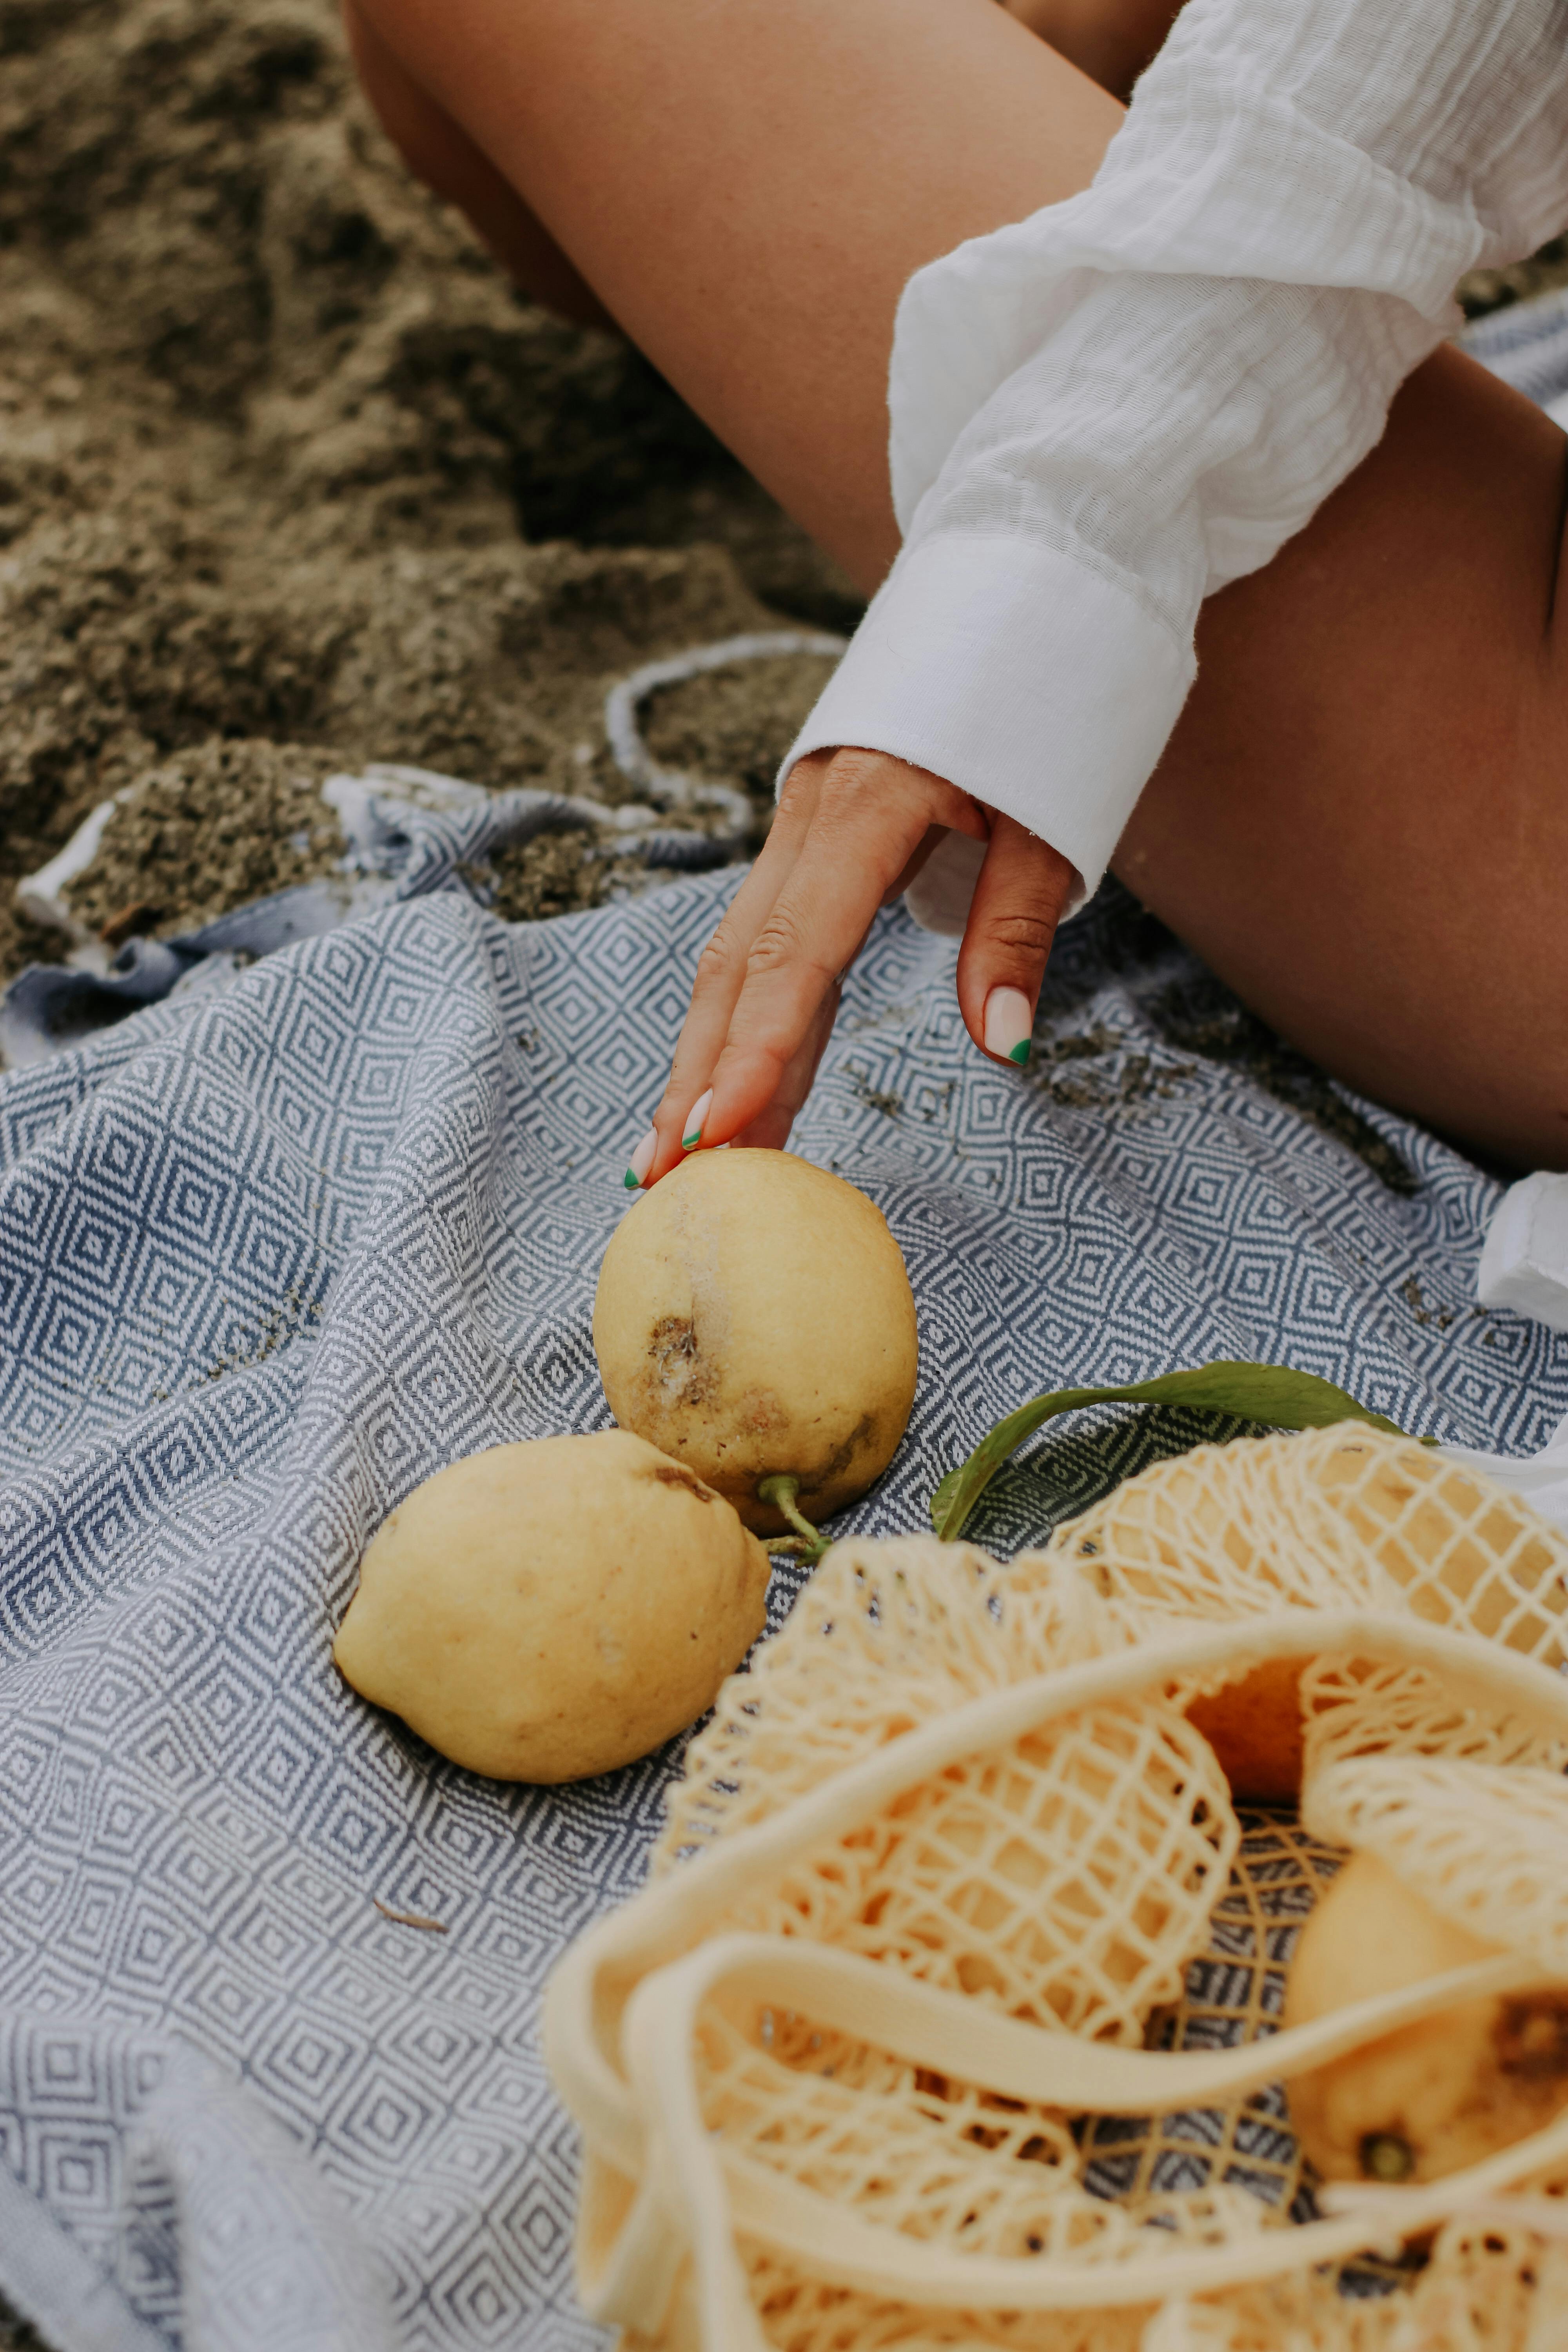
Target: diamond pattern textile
[[270, 1256]]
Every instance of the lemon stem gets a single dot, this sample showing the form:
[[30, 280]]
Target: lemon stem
[[1384, 2156], [781, 1491]]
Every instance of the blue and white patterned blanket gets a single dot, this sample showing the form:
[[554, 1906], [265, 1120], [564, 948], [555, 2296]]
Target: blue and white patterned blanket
[[267, 1260], [268, 1256]]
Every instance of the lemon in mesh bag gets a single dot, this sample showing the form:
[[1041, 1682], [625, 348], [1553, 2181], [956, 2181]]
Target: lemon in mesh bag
[[936, 1870], [1454, 1861]]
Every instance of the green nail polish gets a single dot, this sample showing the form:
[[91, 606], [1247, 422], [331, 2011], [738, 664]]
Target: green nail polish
[[630, 1180], [698, 1115], [1020, 1052]]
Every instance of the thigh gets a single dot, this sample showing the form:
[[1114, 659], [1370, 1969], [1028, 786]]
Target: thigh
[[1362, 820], [748, 184]]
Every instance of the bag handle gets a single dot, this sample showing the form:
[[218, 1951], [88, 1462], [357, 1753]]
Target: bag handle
[[712, 2193]]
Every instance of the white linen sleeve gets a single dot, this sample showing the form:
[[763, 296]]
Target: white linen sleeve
[[1103, 413]]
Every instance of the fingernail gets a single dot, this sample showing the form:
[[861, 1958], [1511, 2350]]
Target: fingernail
[[641, 1160], [699, 1111], [1009, 1023]]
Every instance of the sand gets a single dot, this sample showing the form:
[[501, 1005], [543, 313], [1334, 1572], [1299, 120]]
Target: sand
[[290, 480]]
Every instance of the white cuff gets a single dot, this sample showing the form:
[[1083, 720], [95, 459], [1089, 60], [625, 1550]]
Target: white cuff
[[1525, 1262], [1020, 676]]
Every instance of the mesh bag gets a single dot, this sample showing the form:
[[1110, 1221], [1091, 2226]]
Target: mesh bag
[[881, 2056], [881, 1638], [1337, 1517], [1355, 1707], [1068, 1875], [1488, 2285], [1486, 1845], [1340, 1517], [1234, 1993]]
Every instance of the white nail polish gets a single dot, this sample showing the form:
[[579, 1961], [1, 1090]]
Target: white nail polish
[[691, 1134], [1009, 1024], [641, 1162]]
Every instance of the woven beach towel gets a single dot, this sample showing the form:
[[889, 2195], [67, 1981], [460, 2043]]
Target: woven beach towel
[[271, 1257], [271, 1253]]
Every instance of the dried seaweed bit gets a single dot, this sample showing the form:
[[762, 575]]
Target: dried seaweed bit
[[410, 1918], [1438, 1318], [1076, 1046], [881, 1099], [132, 922], [271, 1325], [1134, 1078]]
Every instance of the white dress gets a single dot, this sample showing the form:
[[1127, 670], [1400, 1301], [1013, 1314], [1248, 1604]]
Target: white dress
[[1103, 413]]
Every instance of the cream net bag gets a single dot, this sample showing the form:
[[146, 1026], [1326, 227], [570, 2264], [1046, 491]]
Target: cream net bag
[[932, 1882]]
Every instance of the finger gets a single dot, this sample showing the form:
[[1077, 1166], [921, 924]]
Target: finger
[[1023, 885], [720, 974], [870, 818], [771, 1128]]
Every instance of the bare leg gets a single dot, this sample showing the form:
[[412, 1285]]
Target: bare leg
[[1362, 820], [1108, 40], [1361, 817], [748, 187]]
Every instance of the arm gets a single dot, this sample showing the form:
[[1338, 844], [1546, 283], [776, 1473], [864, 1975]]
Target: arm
[[1104, 412]]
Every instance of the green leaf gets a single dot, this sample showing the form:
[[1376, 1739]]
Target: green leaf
[[1271, 1394]]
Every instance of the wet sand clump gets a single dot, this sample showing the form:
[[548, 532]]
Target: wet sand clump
[[214, 828]]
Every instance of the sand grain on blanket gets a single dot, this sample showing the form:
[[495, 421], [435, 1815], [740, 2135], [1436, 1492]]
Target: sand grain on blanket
[[286, 467]]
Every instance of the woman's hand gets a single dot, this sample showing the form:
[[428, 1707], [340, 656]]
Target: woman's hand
[[853, 829]]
